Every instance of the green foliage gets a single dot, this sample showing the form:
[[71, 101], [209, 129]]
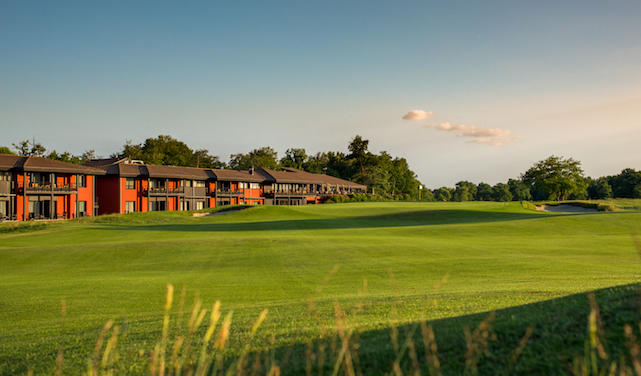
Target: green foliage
[[264, 157], [30, 148], [6, 150], [599, 189], [484, 192], [464, 191], [294, 158], [557, 177], [168, 151], [519, 190], [501, 192], [623, 184], [442, 194]]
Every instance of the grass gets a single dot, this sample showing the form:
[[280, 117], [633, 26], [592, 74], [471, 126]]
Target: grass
[[384, 260]]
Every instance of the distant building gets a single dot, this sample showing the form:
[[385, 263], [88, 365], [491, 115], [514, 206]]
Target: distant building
[[131, 186], [39, 188]]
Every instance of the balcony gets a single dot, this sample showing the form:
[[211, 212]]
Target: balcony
[[228, 192], [162, 191], [51, 188]]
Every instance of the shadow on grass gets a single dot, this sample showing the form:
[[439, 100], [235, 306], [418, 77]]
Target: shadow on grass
[[559, 336], [405, 219]]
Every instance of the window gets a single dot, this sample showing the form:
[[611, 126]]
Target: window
[[199, 184], [242, 185], [188, 183], [82, 207], [130, 207], [130, 183], [157, 183], [82, 181], [200, 205], [157, 206], [254, 185], [6, 176]]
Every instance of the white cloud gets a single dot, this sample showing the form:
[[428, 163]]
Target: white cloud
[[418, 115], [482, 135]]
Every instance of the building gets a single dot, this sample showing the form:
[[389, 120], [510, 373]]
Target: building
[[39, 188], [132, 186]]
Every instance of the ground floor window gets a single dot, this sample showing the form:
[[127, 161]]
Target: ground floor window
[[130, 206], [82, 208], [4, 208], [200, 205], [157, 206]]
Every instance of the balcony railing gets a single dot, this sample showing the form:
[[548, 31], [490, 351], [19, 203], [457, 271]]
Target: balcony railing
[[49, 187], [228, 192], [166, 191]]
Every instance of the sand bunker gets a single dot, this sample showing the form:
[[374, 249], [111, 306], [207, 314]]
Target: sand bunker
[[217, 213], [564, 209]]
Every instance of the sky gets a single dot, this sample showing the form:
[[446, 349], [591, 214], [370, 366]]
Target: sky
[[463, 90]]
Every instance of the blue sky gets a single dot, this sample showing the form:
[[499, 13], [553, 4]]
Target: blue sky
[[564, 78]]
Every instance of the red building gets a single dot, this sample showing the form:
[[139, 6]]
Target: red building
[[39, 188], [131, 186]]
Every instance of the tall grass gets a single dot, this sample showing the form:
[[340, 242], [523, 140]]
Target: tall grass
[[198, 344]]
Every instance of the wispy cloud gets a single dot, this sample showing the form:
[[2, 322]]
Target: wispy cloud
[[418, 115], [482, 135]]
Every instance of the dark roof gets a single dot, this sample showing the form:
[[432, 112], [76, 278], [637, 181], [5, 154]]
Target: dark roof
[[238, 175], [38, 164], [125, 167], [100, 163], [293, 175]]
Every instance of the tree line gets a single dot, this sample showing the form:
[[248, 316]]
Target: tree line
[[385, 176]]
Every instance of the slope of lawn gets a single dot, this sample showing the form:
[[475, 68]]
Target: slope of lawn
[[386, 261]]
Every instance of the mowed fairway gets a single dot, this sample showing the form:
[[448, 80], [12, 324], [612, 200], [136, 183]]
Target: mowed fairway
[[491, 255]]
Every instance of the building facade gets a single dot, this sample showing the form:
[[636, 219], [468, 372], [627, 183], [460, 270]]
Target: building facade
[[131, 186], [38, 188]]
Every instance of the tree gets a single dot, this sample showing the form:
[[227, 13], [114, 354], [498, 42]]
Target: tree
[[427, 195], [166, 150], [295, 158], [519, 191], [556, 176], [30, 148], [464, 191], [6, 150], [600, 189], [623, 184], [501, 192], [202, 159], [484, 192], [442, 194], [358, 150], [264, 157]]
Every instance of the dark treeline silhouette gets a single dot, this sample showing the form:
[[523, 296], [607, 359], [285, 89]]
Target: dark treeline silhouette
[[386, 177]]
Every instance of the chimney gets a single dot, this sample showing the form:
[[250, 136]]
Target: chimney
[[251, 170]]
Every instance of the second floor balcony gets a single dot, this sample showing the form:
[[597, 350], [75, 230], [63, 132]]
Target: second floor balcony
[[45, 187]]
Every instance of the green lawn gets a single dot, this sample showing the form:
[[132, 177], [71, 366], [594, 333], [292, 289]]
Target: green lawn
[[492, 256]]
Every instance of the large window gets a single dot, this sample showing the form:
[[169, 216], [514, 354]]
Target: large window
[[200, 205], [199, 184], [130, 183], [254, 185], [130, 206], [82, 181], [5, 176]]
